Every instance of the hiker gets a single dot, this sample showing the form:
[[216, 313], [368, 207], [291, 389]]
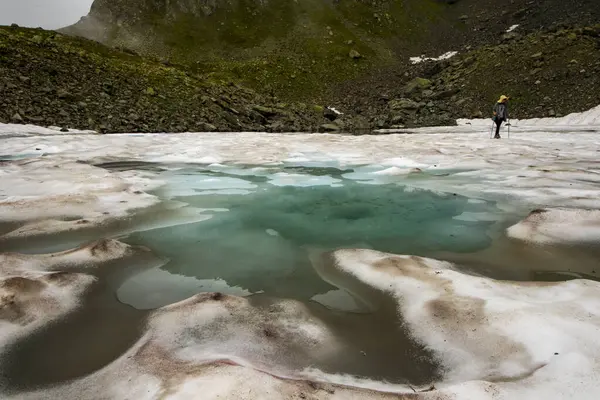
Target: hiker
[[500, 113]]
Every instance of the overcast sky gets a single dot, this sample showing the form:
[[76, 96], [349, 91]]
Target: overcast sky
[[49, 14]]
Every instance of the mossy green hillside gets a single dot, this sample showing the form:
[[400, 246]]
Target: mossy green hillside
[[298, 50], [52, 79]]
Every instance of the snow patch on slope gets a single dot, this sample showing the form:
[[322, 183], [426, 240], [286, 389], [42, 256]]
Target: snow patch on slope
[[422, 58]]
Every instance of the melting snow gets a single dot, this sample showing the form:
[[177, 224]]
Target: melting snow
[[445, 56], [494, 339]]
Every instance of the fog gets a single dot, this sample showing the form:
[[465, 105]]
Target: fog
[[48, 14]]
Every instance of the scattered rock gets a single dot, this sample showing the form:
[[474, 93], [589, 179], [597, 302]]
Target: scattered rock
[[329, 128], [417, 84], [381, 123], [403, 104], [265, 111], [354, 54], [397, 120], [507, 37], [206, 127], [17, 117], [520, 13], [445, 94], [64, 129], [63, 94]]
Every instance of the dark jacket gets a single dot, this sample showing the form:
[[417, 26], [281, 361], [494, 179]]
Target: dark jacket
[[501, 110]]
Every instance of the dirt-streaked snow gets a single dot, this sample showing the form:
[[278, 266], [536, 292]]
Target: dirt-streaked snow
[[492, 339]]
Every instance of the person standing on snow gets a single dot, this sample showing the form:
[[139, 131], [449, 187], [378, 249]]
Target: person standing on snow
[[500, 113]]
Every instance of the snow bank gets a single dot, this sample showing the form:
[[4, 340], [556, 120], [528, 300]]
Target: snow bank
[[28, 129], [559, 226], [38, 289], [52, 188], [494, 340], [590, 118]]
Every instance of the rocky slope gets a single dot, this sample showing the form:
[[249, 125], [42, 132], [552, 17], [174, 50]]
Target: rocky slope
[[50, 79], [302, 50], [550, 73]]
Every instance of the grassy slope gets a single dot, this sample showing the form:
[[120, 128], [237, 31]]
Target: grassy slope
[[295, 49], [55, 79]]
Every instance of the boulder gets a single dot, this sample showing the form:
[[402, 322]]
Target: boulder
[[397, 120], [329, 128], [206, 127], [417, 84], [354, 54], [445, 94], [265, 111], [63, 94], [507, 37], [403, 104]]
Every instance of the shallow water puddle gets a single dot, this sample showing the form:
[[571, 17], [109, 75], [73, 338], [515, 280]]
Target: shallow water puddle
[[255, 232], [265, 222]]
